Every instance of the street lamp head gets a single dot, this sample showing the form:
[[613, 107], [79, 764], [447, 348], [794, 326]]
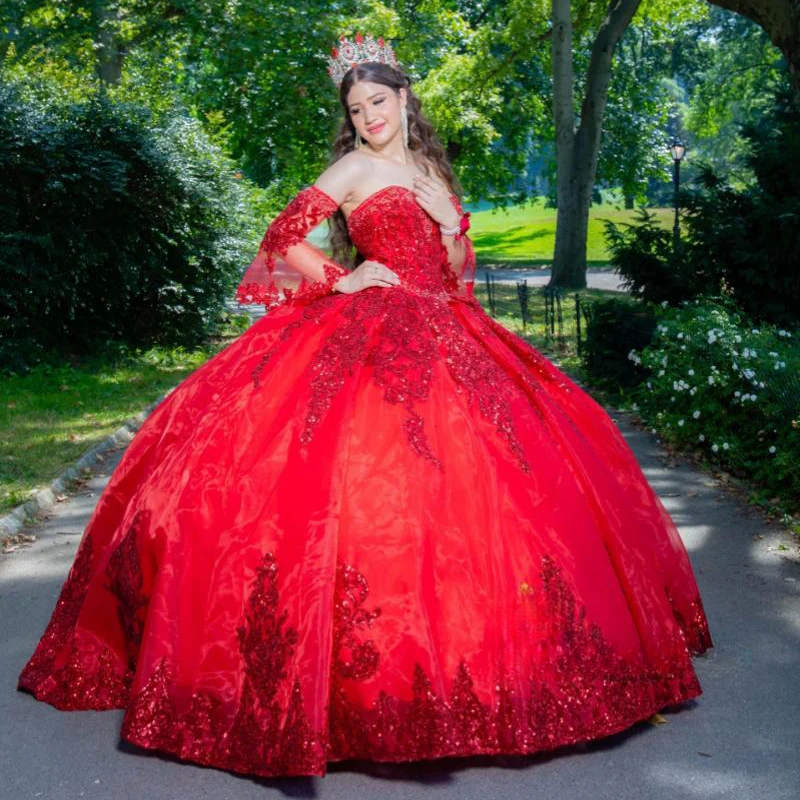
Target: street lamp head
[[677, 149]]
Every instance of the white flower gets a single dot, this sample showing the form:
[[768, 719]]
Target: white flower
[[715, 447], [664, 304], [737, 393], [753, 396], [680, 335], [701, 437], [772, 448], [660, 373], [691, 372], [696, 414], [680, 423], [710, 380], [756, 331], [724, 445]]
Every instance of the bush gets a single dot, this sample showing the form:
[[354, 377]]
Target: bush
[[652, 268], [722, 384], [614, 327], [111, 228]]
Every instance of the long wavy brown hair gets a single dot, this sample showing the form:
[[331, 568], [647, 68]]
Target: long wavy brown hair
[[422, 139]]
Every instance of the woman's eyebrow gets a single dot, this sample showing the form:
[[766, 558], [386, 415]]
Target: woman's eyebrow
[[369, 98]]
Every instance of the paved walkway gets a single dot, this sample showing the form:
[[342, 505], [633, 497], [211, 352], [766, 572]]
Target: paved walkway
[[737, 740]]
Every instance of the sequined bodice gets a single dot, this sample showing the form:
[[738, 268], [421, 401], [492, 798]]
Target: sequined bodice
[[392, 228]]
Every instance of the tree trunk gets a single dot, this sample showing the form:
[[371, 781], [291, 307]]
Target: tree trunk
[[110, 48], [781, 20], [577, 150]]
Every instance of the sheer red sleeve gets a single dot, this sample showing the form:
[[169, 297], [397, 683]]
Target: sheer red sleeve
[[461, 282], [287, 265]]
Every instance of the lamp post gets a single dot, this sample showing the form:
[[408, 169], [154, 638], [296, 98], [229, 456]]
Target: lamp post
[[678, 151]]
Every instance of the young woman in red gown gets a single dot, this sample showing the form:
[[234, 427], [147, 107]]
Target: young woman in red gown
[[378, 525]]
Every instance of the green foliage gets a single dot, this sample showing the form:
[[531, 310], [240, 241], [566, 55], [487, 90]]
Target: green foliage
[[615, 326], [111, 228], [719, 383], [652, 268], [731, 72], [752, 236]]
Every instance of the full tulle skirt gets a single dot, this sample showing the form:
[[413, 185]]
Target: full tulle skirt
[[376, 526]]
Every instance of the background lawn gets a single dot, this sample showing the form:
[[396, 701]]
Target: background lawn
[[524, 236]]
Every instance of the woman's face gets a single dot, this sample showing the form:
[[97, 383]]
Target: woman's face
[[375, 111]]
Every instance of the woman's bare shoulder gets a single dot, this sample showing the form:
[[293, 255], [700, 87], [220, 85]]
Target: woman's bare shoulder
[[342, 177]]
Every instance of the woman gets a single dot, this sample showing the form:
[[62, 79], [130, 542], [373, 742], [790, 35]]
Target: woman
[[378, 525]]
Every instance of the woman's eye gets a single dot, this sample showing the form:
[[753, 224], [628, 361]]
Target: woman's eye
[[378, 102]]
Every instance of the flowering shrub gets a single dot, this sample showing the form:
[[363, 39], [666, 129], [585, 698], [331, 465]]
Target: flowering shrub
[[731, 388]]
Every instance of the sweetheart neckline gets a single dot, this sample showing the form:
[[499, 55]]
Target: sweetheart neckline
[[375, 194], [367, 199]]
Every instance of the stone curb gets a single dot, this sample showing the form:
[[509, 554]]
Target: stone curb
[[12, 523]]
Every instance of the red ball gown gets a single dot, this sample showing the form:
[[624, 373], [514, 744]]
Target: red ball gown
[[377, 525]]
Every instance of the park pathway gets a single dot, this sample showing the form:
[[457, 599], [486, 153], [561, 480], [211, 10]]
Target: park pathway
[[738, 740]]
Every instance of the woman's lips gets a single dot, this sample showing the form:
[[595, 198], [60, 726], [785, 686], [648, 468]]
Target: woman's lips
[[378, 128]]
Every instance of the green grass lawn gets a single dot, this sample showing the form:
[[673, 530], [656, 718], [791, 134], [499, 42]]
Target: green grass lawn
[[50, 417], [525, 235]]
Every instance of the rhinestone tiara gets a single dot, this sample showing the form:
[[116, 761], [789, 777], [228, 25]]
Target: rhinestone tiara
[[361, 49]]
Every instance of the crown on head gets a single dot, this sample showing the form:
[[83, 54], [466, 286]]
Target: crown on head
[[363, 48]]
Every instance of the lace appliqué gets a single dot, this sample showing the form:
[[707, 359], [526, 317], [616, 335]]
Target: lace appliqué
[[126, 584], [289, 229], [62, 673], [584, 691], [693, 623], [260, 738]]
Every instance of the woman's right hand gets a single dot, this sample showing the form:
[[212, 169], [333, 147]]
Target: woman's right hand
[[367, 273]]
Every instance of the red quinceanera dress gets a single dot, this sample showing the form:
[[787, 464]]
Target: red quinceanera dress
[[377, 525]]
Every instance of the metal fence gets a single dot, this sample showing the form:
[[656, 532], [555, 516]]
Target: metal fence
[[563, 315]]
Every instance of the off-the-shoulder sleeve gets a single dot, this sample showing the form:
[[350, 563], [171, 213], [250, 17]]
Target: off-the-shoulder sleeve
[[461, 282], [287, 265]]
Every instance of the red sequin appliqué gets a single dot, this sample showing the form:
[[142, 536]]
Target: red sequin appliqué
[[268, 734], [126, 584], [65, 672], [400, 332], [288, 230], [585, 691]]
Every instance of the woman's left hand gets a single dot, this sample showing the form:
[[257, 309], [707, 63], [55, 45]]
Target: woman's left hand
[[434, 196]]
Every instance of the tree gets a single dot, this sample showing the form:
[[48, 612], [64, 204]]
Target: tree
[[577, 148], [781, 20]]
